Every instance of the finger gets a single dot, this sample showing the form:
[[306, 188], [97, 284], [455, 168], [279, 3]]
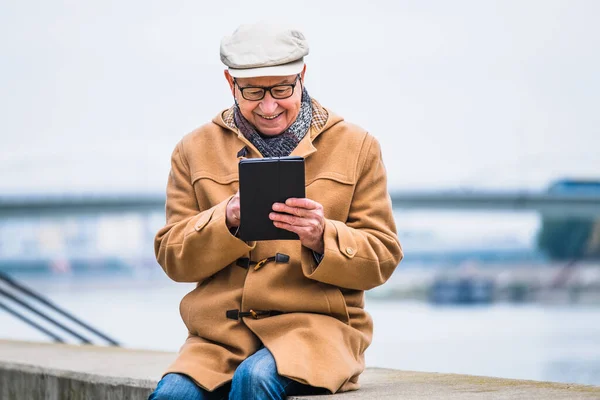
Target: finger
[[289, 219], [305, 236], [304, 203], [299, 212], [299, 230]]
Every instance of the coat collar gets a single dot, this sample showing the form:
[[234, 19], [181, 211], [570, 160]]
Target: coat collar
[[326, 119]]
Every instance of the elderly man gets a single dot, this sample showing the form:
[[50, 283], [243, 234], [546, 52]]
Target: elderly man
[[297, 325]]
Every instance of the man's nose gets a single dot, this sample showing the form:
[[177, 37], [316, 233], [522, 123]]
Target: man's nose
[[268, 105]]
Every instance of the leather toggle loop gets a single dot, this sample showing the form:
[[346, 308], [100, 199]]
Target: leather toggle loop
[[255, 314], [232, 314], [282, 258], [243, 152]]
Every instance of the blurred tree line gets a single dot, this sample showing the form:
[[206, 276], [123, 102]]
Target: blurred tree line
[[571, 238]]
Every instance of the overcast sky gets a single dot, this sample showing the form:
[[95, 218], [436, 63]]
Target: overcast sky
[[94, 95]]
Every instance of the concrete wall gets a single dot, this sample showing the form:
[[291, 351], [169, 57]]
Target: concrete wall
[[64, 372], [19, 381]]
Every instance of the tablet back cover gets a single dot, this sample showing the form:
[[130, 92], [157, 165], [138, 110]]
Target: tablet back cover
[[264, 181]]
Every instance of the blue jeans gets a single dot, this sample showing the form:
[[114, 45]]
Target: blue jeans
[[256, 378]]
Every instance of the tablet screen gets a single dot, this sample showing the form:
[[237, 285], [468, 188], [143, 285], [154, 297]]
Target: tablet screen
[[264, 181]]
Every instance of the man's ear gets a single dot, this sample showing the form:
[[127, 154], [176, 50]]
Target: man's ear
[[230, 81], [302, 73]]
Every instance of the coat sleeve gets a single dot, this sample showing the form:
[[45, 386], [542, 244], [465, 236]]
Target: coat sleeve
[[362, 252], [194, 244]]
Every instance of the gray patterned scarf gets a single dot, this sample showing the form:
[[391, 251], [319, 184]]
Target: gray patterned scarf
[[284, 143]]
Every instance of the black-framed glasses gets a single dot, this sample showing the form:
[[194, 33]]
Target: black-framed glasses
[[255, 93]]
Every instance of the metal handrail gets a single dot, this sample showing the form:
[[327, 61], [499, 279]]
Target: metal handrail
[[44, 316], [33, 295], [28, 321]]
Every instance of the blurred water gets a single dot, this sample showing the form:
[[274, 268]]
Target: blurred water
[[554, 343]]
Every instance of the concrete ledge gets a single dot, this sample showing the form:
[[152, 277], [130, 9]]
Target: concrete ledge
[[378, 383], [19, 381], [57, 372]]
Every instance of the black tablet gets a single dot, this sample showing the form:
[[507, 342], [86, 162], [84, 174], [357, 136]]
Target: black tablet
[[264, 181]]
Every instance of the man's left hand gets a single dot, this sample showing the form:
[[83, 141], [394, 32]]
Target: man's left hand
[[303, 217]]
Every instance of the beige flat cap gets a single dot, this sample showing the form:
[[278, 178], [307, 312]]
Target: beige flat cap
[[264, 49]]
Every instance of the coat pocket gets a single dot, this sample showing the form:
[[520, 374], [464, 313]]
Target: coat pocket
[[330, 176], [211, 189], [184, 310], [185, 306], [333, 191], [336, 302]]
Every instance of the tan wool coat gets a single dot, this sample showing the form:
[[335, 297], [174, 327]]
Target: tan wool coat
[[311, 317]]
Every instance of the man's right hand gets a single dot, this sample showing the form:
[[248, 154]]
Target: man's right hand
[[233, 212]]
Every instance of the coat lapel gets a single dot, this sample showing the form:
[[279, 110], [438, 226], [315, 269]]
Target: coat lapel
[[305, 148]]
